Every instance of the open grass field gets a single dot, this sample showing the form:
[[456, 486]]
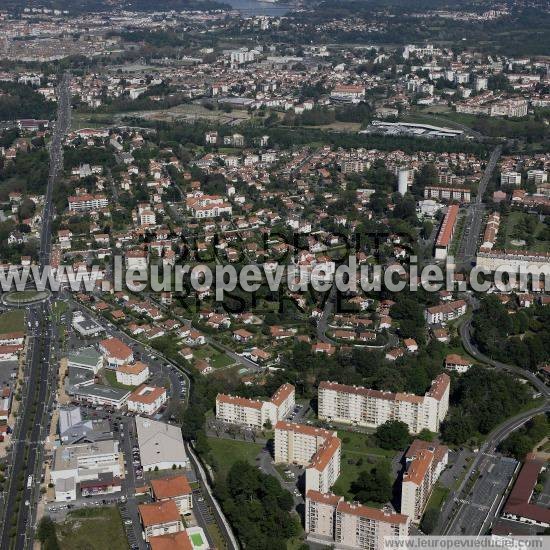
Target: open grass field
[[217, 358], [92, 529], [226, 452], [514, 232], [12, 321]]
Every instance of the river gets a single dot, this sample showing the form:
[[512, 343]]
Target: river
[[254, 7]]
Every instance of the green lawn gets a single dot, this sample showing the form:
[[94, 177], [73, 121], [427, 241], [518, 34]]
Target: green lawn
[[226, 452], [217, 358], [92, 529], [438, 496], [196, 539], [357, 456], [12, 321], [516, 218], [110, 378]]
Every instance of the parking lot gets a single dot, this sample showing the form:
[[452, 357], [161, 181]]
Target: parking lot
[[476, 512]]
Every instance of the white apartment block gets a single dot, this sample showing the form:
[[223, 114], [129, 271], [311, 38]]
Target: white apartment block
[[85, 202], [132, 375], [348, 93], [331, 521], [160, 518], [254, 412], [358, 526], [535, 263], [147, 400], [510, 178], [445, 312], [460, 194], [537, 176], [317, 449], [208, 206], [424, 462], [320, 514], [371, 408]]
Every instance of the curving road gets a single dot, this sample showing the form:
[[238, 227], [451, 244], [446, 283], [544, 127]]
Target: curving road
[[500, 433]]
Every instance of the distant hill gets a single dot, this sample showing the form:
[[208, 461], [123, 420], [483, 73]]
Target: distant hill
[[84, 6]]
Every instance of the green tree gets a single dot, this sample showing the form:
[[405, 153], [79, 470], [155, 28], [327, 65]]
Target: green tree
[[393, 434]]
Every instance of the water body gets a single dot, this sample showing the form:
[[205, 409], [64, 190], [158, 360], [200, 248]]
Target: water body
[[254, 7]]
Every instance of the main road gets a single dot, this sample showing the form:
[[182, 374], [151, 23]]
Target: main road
[[499, 434], [16, 529], [475, 213]]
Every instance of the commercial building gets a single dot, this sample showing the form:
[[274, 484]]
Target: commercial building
[[519, 506], [160, 445], [146, 399], [446, 233], [82, 462], [253, 412], [370, 408], [176, 489], [424, 462], [85, 358], [317, 449], [159, 518], [86, 328], [104, 396]]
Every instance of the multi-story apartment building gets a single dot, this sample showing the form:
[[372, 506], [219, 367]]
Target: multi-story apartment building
[[317, 449], [516, 107], [331, 521], [445, 312], [358, 526], [147, 400], [371, 408], [160, 518], [348, 93], [320, 514], [510, 178], [460, 194], [424, 462], [519, 261], [132, 375], [208, 206], [253, 412], [537, 176], [446, 232], [175, 488], [79, 203]]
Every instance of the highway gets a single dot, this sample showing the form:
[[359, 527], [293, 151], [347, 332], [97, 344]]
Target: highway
[[16, 527], [475, 213]]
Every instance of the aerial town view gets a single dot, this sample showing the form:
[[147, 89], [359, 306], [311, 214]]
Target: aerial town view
[[274, 274]]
